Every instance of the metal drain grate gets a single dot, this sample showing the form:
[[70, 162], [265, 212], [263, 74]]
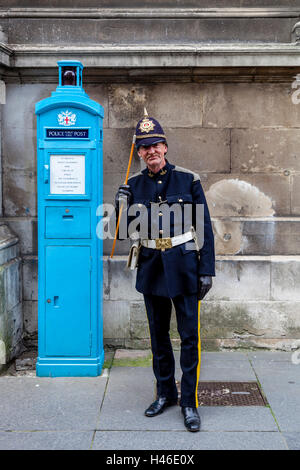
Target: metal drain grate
[[229, 394]]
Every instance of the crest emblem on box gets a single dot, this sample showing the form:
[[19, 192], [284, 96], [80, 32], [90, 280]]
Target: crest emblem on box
[[66, 118]]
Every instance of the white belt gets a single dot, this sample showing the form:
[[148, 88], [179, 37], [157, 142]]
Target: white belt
[[164, 243]]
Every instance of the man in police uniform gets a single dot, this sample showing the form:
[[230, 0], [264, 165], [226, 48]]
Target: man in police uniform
[[169, 271]]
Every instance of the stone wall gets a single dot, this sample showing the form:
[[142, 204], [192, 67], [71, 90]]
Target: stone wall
[[220, 77], [242, 140]]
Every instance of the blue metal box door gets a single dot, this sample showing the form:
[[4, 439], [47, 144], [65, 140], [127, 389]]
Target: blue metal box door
[[68, 300]]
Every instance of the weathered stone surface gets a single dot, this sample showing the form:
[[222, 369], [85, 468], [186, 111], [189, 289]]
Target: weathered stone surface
[[239, 311], [19, 191], [30, 278], [237, 280], [138, 321], [115, 319], [121, 247], [116, 152], [126, 104], [12, 283], [122, 281], [148, 29], [26, 230], [30, 314], [270, 187], [295, 195], [208, 150], [271, 237], [264, 236], [23, 98], [285, 281], [248, 320], [19, 148], [265, 150], [243, 106], [146, 3], [9, 253], [237, 197], [228, 236], [11, 319]]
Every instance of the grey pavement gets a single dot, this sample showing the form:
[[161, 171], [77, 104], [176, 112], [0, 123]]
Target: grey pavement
[[107, 412]]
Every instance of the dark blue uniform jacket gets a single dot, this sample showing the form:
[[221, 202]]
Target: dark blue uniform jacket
[[174, 271]]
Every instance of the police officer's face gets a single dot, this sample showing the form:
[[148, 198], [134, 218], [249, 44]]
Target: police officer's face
[[153, 155]]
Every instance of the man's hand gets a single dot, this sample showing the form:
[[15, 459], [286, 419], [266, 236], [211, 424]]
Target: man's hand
[[204, 284], [123, 193]]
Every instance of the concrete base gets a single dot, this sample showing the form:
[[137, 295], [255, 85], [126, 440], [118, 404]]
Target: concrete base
[[69, 367]]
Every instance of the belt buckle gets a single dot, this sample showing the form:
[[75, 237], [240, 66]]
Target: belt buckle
[[163, 243]]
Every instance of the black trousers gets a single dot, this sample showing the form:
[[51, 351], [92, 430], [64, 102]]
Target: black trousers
[[187, 309]]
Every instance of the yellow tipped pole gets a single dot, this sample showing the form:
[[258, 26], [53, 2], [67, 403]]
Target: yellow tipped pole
[[199, 354], [121, 208]]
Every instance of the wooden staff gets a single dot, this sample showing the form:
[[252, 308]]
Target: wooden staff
[[121, 208]]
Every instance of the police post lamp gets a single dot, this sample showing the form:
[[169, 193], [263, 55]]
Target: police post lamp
[[69, 171]]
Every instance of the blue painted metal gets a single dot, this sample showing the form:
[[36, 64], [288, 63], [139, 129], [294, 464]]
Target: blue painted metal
[[70, 185]]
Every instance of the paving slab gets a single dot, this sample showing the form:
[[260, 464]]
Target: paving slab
[[45, 440], [207, 356], [42, 403], [272, 356], [222, 366], [237, 418], [184, 440], [280, 382], [131, 390], [293, 440]]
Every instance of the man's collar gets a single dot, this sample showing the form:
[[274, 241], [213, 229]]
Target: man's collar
[[161, 172]]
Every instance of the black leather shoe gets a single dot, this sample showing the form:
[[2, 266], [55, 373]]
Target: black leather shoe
[[159, 406], [192, 420]]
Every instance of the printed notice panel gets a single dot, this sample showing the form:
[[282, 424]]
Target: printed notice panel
[[67, 174]]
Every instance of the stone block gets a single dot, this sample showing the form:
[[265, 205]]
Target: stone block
[[227, 236], [26, 230], [23, 99], [30, 278], [271, 237], [12, 283], [19, 148], [98, 93], [199, 149], [149, 28], [121, 247], [285, 280], [16, 320], [126, 104], [30, 314], [250, 321], [247, 194], [116, 152], [256, 237], [139, 328], [265, 150], [122, 281], [111, 183], [244, 105], [238, 280], [115, 319], [19, 193], [295, 195]]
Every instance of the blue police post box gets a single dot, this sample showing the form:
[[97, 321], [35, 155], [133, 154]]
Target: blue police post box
[[69, 171]]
